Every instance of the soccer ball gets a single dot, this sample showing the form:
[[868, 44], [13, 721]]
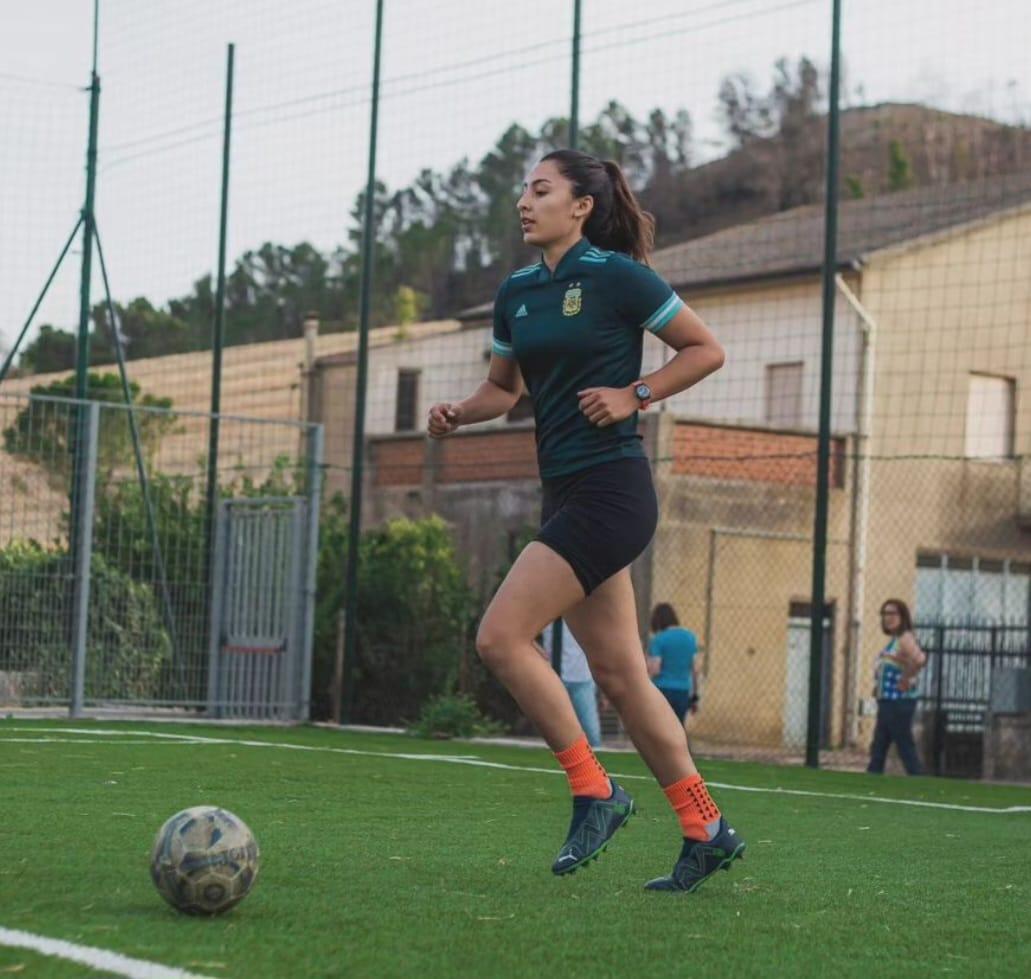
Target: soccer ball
[[204, 860]]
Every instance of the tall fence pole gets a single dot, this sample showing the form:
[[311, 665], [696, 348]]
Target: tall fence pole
[[816, 632], [82, 346], [79, 421], [219, 327], [86, 459], [314, 456], [574, 98], [358, 442]]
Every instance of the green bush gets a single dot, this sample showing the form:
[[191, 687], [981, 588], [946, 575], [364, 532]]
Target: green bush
[[413, 609], [489, 693], [126, 645], [453, 716]]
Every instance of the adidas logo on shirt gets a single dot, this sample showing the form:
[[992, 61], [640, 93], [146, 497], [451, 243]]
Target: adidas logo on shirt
[[521, 311]]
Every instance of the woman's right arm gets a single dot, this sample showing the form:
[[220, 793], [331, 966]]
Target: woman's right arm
[[913, 659], [496, 396]]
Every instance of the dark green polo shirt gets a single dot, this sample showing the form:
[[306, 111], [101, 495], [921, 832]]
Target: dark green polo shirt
[[579, 328]]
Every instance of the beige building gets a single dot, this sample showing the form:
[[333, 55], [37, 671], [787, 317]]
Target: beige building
[[930, 492]]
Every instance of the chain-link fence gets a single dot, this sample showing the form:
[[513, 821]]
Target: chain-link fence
[[719, 113], [120, 586]]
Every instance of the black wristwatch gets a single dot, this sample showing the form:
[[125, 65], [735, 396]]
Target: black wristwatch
[[643, 393]]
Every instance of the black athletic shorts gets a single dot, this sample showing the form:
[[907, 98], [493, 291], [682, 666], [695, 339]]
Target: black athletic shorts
[[600, 519]]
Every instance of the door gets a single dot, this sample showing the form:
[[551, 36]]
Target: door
[[796, 677], [258, 608]]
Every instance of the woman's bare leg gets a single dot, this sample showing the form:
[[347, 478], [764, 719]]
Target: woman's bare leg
[[539, 588], [605, 624]]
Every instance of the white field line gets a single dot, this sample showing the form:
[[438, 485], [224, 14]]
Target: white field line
[[195, 739], [95, 958], [81, 741]]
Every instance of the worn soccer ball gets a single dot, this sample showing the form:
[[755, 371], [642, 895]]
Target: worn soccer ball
[[205, 860]]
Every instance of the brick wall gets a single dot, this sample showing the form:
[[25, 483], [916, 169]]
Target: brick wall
[[490, 456], [487, 457], [399, 462], [751, 455], [718, 452]]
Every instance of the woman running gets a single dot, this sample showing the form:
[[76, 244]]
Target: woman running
[[571, 326]]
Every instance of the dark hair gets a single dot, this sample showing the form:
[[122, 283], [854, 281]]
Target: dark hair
[[905, 619], [616, 222], [663, 617]]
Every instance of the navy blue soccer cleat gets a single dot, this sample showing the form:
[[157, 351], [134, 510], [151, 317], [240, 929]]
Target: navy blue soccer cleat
[[594, 823], [700, 859]]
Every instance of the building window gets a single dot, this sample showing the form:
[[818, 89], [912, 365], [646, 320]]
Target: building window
[[990, 406], [784, 395], [407, 404], [972, 591]]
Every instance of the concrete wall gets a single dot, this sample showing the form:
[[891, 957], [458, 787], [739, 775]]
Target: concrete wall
[[953, 306], [731, 555], [759, 326]]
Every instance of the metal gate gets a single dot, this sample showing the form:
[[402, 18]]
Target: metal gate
[[956, 688], [260, 662]]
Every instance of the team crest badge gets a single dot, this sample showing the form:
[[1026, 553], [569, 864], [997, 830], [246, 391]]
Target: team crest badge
[[572, 301]]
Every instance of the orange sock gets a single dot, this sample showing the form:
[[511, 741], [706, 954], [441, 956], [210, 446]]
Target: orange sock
[[584, 771], [699, 817]]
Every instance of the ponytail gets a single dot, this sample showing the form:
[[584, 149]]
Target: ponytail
[[630, 229], [617, 222]]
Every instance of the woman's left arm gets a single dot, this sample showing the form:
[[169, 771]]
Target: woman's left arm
[[698, 354], [652, 657]]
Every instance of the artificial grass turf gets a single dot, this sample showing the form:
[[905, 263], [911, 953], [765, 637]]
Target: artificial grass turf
[[385, 866]]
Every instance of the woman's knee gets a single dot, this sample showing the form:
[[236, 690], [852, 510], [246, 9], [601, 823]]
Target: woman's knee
[[618, 684], [494, 642]]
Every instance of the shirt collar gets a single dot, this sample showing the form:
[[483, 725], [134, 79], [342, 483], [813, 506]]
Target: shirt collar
[[565, 262]]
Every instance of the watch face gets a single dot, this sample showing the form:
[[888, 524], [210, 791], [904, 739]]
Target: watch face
[[643, 392]]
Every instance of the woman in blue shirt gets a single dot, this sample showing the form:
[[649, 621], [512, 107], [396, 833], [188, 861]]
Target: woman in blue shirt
[[672, 660]]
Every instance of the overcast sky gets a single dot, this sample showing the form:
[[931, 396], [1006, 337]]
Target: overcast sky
[[456, 74]]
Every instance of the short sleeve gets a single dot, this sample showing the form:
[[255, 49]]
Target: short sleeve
[[654, 645], [502, 341], [643, 298]]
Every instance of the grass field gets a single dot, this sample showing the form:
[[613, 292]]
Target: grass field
[[377, 864]]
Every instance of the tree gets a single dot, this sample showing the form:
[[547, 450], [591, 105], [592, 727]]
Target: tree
[[778, 137], [52, 350], [899, 174], [143, 330], [44, 433], [270, 291]]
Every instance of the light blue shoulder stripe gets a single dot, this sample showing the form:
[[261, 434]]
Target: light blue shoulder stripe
[[663, 314], [526, 271], [501, 348]]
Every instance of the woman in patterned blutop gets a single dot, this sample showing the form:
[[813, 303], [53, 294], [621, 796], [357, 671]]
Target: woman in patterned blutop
[[895, 687]]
